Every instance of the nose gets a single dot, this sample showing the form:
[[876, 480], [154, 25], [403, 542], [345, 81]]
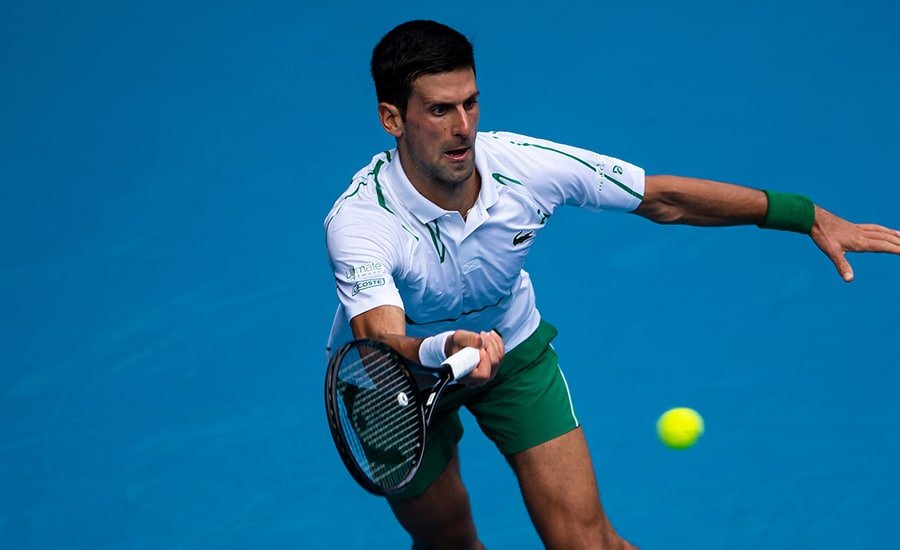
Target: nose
[[462, 124]]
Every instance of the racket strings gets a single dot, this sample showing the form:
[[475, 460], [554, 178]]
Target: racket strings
[[385, 453], [379, 408], [395, 383], [384, 368]]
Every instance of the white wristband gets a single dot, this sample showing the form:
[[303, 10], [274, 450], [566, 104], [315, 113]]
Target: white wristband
[[432, 350]]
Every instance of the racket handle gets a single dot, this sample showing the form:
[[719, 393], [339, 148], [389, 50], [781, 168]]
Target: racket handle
[[463, 362]]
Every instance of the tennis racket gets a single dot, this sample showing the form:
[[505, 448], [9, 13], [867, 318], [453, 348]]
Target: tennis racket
[[379, 407]]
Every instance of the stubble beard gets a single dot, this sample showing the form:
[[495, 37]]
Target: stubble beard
[[454, 179], [441, 172], [455, 175]]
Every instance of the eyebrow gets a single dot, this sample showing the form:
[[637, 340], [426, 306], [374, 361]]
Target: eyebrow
[[432, 102]]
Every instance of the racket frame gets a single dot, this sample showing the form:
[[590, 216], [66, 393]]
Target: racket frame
[[429, 396]]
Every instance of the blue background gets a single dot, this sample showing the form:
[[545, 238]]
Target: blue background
[[165, 168]]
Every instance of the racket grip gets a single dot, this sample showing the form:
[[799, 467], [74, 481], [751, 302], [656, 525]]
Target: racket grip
[[463, 362]]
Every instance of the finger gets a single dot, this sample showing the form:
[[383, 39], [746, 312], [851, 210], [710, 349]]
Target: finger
[[879, 228], [881, 233], [485, 364], [880, 242], [465, 339], [488, 344], [834, 249], [498, 342], [842, 265], [495, 336], [494, 346]]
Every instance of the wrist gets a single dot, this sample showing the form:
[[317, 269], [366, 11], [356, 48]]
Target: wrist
[[433, 349], [789, 212]]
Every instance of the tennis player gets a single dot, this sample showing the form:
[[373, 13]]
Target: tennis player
[[427, 246]]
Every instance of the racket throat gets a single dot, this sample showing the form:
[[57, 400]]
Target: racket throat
[[430, 400], [428, 406]]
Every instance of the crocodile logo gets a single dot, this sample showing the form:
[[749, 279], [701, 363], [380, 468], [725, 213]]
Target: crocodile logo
[[522, 236]]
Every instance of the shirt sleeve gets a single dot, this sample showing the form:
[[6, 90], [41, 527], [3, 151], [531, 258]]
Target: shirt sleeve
[[363, 261], [563, 174]]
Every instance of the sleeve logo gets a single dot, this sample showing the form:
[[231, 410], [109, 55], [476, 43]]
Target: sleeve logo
[[371, 268], [367, 284]]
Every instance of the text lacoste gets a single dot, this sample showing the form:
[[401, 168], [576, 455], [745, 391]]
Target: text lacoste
[[368, 283], [357, 272], [522, 236]]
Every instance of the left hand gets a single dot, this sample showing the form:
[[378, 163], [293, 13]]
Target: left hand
[[492, 350], [836, 236]]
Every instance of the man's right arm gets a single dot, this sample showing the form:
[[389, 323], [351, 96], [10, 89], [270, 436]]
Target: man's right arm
[[363, 262], [388, 324]]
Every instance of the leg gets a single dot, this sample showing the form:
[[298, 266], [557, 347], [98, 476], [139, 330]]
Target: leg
[[560, 491], [440, 517], [527, 412]]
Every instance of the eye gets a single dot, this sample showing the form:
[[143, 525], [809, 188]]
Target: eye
[[470, 104], [439, 110]]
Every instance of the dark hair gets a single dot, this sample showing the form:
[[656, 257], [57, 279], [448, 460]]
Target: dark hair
[[413, 49]]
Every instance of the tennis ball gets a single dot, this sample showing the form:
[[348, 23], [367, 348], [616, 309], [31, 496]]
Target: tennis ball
[[679, 428]]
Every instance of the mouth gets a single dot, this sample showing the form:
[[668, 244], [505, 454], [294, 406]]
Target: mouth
[[458, 155]]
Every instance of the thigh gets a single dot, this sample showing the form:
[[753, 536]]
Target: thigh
[[560, 491], [441, 516], [528, 404]]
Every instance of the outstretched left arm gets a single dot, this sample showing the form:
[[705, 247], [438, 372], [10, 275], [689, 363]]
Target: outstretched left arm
[[692, 201]]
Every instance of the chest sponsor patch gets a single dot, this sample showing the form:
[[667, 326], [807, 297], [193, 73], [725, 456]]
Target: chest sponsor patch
[[367, 284]]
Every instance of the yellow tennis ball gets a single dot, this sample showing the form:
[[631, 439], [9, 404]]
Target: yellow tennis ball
[[679, 428]]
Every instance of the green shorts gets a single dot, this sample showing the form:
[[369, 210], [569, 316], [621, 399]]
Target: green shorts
[[526, 404]]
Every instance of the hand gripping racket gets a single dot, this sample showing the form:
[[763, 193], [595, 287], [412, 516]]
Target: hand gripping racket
[[379, 409]]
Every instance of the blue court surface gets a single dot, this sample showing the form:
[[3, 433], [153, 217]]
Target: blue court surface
[[165, 168]]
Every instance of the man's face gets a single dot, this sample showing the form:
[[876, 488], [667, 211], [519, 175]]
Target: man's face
[[438, 135]]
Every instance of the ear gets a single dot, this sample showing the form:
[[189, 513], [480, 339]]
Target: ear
[[391, 120]]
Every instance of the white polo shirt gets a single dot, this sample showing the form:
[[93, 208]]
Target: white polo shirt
[[389, 245]]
